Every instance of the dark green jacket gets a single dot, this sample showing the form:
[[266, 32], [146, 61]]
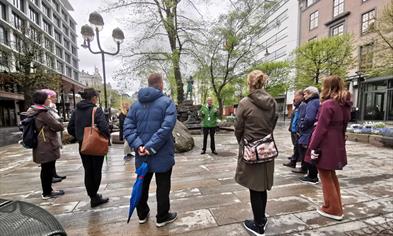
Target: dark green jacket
[[209, 116]]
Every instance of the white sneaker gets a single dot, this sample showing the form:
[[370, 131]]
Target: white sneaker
[[334, 217], [144, 220]]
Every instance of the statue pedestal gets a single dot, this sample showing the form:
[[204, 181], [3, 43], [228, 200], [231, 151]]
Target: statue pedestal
[[188, 114]]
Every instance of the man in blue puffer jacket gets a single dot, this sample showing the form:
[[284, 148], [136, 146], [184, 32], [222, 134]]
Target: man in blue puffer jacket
[[148, 129]]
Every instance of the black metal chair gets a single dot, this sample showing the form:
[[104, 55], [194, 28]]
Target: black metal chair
[[19, 218]]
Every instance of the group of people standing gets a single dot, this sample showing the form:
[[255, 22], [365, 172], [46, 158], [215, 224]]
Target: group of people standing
[[317, 126]]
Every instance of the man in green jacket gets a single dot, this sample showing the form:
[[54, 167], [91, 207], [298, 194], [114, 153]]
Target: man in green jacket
[[209, 115]]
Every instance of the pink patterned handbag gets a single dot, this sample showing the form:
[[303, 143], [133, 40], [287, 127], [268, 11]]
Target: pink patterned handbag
[[260, 151]]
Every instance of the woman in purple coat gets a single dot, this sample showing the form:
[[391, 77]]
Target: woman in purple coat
[[327, 145]]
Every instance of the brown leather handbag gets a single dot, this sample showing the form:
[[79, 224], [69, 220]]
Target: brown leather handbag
[[94, 143]]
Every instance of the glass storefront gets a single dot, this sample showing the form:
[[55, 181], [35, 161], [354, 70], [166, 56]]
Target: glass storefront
[[377, 100]]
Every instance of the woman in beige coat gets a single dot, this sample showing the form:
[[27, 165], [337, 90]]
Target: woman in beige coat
[[48, 147], [255, 118]]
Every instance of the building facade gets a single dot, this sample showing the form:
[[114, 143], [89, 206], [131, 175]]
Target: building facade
[[373, 97], [279, 40], [49, 24], [91, 80]]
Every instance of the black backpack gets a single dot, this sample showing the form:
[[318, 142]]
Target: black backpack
[[30, 133]]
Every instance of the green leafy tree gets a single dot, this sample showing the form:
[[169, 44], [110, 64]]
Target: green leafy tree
[[162, 21], [231, 45], [30, 72], [279, 76], [322, 57], [383, 54]]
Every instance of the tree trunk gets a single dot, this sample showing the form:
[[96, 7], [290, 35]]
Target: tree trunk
[[220, 105], [179, 82], [27, 92]]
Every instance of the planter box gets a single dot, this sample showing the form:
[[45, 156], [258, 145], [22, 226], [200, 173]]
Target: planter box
[[376, 140], [363, 138], [387, 142]]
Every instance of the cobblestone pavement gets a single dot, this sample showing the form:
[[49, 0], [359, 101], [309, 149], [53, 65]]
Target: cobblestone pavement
[[205, 195]]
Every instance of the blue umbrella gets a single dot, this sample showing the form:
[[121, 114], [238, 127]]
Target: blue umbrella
[[137, 189]]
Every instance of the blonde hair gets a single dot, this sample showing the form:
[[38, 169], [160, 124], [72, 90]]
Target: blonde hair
[[256, 79]]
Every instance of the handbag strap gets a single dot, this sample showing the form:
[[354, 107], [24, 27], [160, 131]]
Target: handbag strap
[[92, 116]]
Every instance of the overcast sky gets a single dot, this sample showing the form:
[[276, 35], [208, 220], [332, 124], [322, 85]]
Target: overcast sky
[[88, 61]]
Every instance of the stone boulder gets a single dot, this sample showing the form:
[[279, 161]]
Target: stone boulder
[[184, 142]]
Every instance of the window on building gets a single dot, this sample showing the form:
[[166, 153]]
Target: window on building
[[3, 35], [76, 75], [68, 71], [3, 14], [37, 3], [46, 10], [367, 19], [56, 5], [47, 27], [20, 4], [18, 44], [338, 7], [17, 21], [337, 30], [314, 20], [75, 63], [67, 58], [49, 61], [59, 66], [64, 14], [72, 25], [310, 2], [74, 51], [57, 20], [67, 44], [35, 35], [4, 63], [366, 57], [65, 30], [313, 38], [57, 36], [48, 44], [59, 52], [73, 38], [34, 16]]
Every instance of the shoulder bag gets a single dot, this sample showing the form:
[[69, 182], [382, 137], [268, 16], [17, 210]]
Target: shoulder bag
[[260, 150], [94, 143]]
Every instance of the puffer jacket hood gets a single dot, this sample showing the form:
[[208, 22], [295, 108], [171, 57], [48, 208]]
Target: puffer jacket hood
[[262, 99], [34, 110], [84, 104], [149, 94]]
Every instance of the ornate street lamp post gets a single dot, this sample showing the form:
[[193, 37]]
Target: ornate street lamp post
[[87, 31]]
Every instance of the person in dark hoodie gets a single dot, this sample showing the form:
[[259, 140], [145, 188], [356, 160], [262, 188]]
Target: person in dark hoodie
[[148, 129], [48, 148], [80, 119], [255, 118], [327, 145], [308, 118]]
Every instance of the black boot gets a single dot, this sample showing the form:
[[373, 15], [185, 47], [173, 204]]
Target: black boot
[[98, 200]]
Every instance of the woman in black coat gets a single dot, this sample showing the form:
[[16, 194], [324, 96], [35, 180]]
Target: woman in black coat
[[81, 118]]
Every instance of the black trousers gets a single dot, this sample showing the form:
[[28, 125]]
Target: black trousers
[[206, 132], [163, 182], [312, 169], [46, 177], [295, 155], [258, 205], [93, 167]]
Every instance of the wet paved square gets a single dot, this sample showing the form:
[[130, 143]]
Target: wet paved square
[[205, 195]]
